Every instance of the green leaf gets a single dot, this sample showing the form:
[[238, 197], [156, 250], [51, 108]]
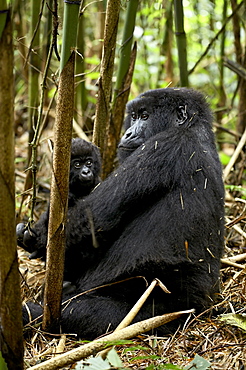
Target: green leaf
[[135, 348], [3, 365], [235, 320], [94, 363], [93, 75], [163, 367], [224, 158], [114, 359], [147, 357], [93, 60], [198, 363], [117, 343], [20, 159], [238, 188]]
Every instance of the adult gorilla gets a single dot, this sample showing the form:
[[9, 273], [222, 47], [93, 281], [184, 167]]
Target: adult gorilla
[[159, 215]]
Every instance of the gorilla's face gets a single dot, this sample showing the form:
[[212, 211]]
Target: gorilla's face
[[153, 112]]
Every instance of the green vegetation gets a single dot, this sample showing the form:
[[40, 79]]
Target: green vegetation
[[144, 45]]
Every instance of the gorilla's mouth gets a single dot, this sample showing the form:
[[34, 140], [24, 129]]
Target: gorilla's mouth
[[129, 149], [86, 178]]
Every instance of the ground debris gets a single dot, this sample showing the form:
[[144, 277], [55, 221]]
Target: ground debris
[[223, 345]]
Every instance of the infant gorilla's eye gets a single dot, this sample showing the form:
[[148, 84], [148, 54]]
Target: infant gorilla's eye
[[89, 163], [134, 116], [77, 164]]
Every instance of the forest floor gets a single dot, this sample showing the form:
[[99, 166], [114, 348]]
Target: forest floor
[[222, 343]]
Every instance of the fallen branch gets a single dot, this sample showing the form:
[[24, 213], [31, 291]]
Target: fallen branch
[[135, 309], [88, 349], [237, 228], [237, 258], [235, 155], [227, 261], [231, 261]]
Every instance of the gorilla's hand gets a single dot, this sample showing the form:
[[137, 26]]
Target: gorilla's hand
[[28, 239]]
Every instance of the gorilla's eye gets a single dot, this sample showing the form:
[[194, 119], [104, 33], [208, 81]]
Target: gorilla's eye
[[134, 116], [77, 164], [89, 163], [144, 116]]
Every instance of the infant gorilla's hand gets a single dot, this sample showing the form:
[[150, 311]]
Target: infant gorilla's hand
[[20, 229], [27, 239]]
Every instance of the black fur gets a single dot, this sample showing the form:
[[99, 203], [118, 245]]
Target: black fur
[[83, 178], [159, 215], [85, 168]]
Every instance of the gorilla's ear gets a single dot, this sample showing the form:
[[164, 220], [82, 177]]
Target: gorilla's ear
[[182, 115]]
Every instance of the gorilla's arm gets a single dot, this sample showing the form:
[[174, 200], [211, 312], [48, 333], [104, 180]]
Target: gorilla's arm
[[97, 220], [121, 198]]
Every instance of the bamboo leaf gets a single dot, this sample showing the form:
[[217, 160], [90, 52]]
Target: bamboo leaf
[[234, 320], [114, 359], [3, 365], [199, 363], [94, 363]]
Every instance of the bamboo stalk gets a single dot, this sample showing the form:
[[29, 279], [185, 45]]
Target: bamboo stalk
[[106, 73], [126, 46], [60, 175], [34, 69], [181, 42], [11, 341], [122, 88], [70, 28]]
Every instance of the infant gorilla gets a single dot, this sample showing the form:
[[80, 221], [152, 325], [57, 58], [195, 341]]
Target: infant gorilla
[[85, 168]]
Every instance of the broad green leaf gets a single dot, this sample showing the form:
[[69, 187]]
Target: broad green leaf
[[199, 363], [3, 365], [224, 158], [94, 363], [235, 320], [114, 359]]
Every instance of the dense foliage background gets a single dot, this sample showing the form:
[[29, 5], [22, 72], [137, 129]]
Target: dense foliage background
[[200, 44], [157, 56], [210, 57]]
